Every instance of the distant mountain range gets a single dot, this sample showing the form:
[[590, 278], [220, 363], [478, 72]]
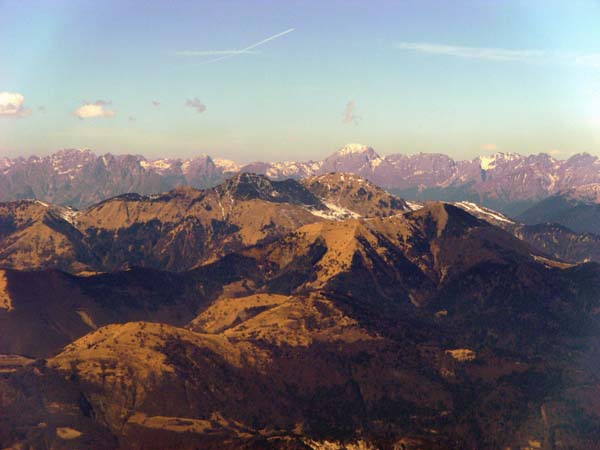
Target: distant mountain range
[[507, 182]]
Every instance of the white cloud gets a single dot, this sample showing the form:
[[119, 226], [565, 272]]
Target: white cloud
[[504, 54], [349, 116], [196, 104], [96, 109], [12, 104]]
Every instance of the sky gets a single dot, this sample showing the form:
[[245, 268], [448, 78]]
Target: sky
[[296, 80]]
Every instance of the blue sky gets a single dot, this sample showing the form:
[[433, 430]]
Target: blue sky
[[457, 77]]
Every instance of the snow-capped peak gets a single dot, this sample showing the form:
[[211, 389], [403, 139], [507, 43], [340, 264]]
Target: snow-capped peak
[[354, 148], [489, 162], [227, 165], [158, 165]]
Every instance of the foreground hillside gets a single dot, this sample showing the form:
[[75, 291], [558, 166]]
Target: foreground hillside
[[428, 329]]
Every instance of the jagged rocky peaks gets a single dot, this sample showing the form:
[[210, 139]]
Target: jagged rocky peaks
[[509, 182], [354, 158]]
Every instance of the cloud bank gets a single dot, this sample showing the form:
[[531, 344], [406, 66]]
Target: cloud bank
[[94, 110]]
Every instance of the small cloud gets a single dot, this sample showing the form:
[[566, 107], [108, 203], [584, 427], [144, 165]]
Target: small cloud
[[156, 103], [132, 119], [12, 104], [349, 116], [92, 110], [196, 104], [489, 147], [555, 152]]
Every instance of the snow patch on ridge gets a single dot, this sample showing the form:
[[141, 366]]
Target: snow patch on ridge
[[413, 206], [334, 212], [68, 214], [481, 212]]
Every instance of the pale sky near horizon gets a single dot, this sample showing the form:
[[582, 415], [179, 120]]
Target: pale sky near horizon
[[281, 80]]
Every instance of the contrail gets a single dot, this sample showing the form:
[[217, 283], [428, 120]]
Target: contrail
[[247, 49]]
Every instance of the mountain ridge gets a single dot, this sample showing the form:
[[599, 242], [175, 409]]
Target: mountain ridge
[[508, 182], [179, 229]]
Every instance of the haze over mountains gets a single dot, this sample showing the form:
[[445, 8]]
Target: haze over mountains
[[508, 182]]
